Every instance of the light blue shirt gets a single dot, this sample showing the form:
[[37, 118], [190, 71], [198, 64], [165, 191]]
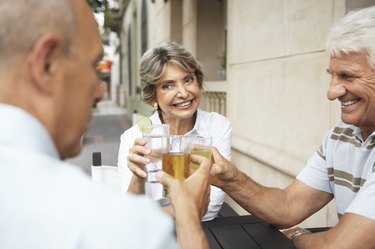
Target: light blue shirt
[[47, 203]]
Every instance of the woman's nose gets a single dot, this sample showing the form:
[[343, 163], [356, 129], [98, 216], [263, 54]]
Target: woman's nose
[[336, 89], [182, 92]]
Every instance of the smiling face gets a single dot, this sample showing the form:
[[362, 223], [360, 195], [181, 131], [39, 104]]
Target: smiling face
[[178, 94], [353, 84]]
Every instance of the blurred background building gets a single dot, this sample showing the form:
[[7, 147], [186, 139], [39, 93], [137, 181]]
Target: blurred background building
[[265, 67]]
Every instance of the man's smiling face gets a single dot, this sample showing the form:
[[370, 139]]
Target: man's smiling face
[[353, 84]]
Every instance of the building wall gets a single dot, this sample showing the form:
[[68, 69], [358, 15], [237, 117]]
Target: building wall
[[210, 36], [131, 53], [189, 25], [159, 14]]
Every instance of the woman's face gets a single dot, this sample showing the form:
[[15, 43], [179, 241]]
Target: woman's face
[[178, 93]]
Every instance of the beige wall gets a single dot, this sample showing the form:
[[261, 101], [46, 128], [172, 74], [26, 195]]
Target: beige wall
[[276, 102], [210, 36], [189, 25], [159, 14]]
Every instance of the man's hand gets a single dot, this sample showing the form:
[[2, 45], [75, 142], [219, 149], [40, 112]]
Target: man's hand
[[194, 191], [222, 170], [190, 199]]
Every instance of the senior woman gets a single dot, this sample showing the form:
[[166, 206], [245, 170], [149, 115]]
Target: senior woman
[[172, 82]]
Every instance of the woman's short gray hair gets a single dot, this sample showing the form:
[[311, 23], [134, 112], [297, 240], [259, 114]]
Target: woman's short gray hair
[[354, 33], [153, 62]]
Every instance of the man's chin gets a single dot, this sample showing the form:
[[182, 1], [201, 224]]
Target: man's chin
[[72, 151], [347, 119]]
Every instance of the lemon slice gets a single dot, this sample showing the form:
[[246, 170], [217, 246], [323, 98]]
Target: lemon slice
[[144, 124]]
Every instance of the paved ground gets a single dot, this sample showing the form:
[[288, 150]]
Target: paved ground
[[103, 135]]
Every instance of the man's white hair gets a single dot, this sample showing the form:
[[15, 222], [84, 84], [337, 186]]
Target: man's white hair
[[354, 33], [24, 21]]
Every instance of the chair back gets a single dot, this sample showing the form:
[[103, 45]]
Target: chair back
[[104, 174]]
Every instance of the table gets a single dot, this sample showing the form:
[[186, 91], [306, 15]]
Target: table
[[240, 232]]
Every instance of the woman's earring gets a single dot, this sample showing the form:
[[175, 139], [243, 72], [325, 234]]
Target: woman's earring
[[155, 106]]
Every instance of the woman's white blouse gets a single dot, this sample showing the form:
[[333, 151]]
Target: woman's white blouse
[[207, 124]]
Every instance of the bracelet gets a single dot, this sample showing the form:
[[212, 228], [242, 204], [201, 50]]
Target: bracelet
[[299, 233]]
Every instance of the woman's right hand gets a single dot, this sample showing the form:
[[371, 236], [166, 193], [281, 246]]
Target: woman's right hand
[[136, 158]]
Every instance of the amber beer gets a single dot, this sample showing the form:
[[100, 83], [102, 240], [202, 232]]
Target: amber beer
[[176, 164], [176, 158]]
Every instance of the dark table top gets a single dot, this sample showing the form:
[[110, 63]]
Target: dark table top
[[240, 232]]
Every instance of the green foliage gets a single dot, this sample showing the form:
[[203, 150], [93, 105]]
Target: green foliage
[[223, 59], [108, 18], [112, 20], [98, 5]]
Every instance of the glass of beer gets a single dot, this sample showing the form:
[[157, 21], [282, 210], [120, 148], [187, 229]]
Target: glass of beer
[[176, 158], [200, 145]]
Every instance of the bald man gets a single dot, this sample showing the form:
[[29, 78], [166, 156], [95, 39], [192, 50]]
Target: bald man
[[48, 53]]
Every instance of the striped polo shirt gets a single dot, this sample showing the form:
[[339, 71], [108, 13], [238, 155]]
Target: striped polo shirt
[[344, 165]]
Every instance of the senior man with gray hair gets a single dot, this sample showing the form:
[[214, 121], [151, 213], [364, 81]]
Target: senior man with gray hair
[[344, 165]]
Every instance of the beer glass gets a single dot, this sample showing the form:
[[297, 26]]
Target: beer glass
[[176, 158], [200, 145]]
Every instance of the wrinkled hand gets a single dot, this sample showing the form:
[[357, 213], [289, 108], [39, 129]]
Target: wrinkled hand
[[192, 194], [136, 158], [222, 170]]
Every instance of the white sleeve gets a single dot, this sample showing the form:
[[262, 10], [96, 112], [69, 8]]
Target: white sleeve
[[224, 139], [364, 203], [222, 136], [216, 201], [127, 141], [315, 173]]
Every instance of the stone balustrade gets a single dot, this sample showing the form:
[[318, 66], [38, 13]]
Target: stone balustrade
[[215, 97]]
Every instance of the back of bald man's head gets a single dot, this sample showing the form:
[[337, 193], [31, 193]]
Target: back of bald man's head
[[24, 21]]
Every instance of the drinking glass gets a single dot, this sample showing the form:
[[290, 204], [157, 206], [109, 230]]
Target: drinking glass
[[200, 145], [154, 135], [176, 158]]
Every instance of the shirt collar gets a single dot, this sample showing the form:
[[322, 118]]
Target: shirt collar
[[200, 127], [155, 118], [357, 132], [22, 130]]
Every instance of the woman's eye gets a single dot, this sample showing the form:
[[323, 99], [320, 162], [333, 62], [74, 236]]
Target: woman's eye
[[167, 86], [189, 80]]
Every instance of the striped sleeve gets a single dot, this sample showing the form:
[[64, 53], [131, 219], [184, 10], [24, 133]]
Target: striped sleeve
[[315, 174], [364, 202]]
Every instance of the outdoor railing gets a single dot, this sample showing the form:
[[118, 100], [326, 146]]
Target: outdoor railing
[[215, 97]]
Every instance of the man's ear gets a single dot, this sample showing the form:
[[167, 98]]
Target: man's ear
[[43, 61]]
